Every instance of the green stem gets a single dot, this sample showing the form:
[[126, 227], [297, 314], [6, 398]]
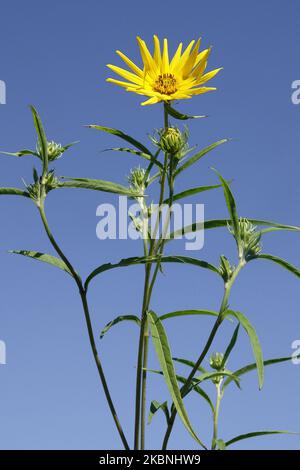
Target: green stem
[[142, 361], [216, 416], [144, 384], [84, 301], [185, 388]]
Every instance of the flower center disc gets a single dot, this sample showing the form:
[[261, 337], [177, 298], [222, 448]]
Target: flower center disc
[[165, 84]]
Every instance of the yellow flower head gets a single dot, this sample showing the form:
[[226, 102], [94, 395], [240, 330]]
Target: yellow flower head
[[163, 80]]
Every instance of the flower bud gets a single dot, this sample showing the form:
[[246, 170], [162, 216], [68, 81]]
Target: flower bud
[[54, 150], [216, 361], [171, 141], [137, 180]]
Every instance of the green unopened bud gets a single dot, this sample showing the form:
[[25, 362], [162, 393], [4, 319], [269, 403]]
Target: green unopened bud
[[216, 361], [137, 179], [225, 269], [54, 150], [171, 141], [249, 239]]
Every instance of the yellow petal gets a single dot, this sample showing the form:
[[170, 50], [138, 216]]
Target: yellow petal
[[152, 100], [208, 76], [120, 83], [125, 74], [157, 53], [200, 91], [202, 62], [165, 58], [176, 58], [147, 58], [185, 55], [130, 64], [190, 62]]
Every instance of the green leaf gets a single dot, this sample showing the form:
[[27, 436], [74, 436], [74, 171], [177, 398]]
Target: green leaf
[[155, 406], [117, 320], [188, 363], [182, 313], [58, 263], [213, 375], [219, 223], [22, 153], [123, 136], [67, 146], [231, 206], [97, 185], [178, 115], [13, 192], [255, 434], [198, 155], [154, 259], [42, 139], [281, 262], [146, 156], [195, 388], [162, 348], [231, 345], [257, 352], [253, 366], [191, 192]]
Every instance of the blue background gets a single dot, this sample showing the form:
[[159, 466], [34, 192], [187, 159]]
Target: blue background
[[53, 55]]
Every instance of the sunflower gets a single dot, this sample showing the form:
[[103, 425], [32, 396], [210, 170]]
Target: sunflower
[[163, 80]]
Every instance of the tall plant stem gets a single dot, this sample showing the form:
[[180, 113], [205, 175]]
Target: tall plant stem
[[218, 322], [142, 361], [216, 416], [85, 306]]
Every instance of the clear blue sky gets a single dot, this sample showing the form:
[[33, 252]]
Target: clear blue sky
[[53, 55]]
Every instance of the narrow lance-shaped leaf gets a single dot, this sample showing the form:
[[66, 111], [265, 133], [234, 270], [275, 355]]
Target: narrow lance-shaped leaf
[[213, 375], [281, 262], [123, 136], [155, 406], [49, 259], [220, 223], [231, 206], [198, 155], [13, 192], [231, 345], [97, 185], [195, 388], [119, 319], [180, 116], [154, 259], [183, 313], [255, 434], [144, 155], [21, 153], [253, 366], [42, 139], [192, 192], [162, 348], [189, 363], [257, 352]]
